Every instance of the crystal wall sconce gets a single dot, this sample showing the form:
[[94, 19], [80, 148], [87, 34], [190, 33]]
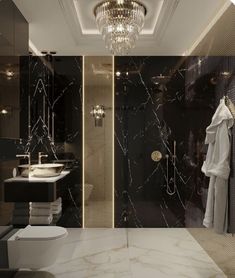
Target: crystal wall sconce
[[98, 113]]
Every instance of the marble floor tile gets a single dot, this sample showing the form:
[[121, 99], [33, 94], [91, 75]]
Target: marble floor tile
[[165, 253], [130, 253], [221, 248], [93, 253]]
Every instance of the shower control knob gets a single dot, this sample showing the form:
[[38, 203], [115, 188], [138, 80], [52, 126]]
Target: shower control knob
[[156, 156]]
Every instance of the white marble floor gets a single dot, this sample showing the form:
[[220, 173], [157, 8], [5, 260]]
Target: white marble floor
[[125, 253]]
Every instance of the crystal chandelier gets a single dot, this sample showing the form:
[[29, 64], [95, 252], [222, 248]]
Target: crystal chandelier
[[120, 22]]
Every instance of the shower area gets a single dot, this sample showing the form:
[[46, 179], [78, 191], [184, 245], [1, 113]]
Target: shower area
[[162, 108], [144, 129]]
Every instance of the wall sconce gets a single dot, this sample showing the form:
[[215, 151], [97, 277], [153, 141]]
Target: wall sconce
[[98, 113], [5, 110], [9, 73], [225, 74]]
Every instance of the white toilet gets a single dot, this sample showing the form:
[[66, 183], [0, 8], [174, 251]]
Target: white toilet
[[35, 247], [88, 190]]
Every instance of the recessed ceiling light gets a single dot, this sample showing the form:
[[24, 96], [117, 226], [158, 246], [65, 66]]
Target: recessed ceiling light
[[233, 1], [118, 73]]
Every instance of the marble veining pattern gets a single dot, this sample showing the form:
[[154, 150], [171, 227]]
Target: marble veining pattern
[[53, 121], [220, 248], [127, 253], [55, 99], [159, 103]]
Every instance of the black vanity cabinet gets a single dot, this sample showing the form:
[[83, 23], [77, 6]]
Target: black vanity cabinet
[[25, 190]]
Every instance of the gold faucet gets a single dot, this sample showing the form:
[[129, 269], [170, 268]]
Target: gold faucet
[[40, 155]]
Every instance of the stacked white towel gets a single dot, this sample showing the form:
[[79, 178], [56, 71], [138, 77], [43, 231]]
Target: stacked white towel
[[40, 220], [56, 206], [40, 205], [40, 213]]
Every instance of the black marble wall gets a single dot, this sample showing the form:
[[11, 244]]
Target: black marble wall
[[159, 101], [54, 123], [44, 99], [161, 104]]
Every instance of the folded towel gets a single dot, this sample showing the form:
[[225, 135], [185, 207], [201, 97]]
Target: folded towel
[[40, 211], [56, 211], [58, 201], [40, 205], [56, 206], [21, 212], [40, 220]]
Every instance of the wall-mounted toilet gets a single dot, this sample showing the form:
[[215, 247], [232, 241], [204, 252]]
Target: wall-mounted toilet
[[88, 190], [33, 247]]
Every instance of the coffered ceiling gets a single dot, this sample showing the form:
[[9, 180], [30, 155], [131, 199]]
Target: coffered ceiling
[[173, 27]]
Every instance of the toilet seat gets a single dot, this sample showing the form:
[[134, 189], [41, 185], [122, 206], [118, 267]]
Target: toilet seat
[[37, 233]]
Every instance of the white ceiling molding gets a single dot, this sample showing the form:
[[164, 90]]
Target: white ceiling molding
[[208, 28], [34, 49], [168, 9], [81, 20], [172, 27], [72, 20]]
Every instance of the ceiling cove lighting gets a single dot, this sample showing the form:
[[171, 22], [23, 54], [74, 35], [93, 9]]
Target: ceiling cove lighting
[[120, 23]]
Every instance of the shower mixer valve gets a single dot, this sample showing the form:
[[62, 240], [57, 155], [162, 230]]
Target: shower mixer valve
[[156, 156]]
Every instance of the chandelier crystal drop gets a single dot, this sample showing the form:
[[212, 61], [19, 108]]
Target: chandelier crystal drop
[[120, 23]]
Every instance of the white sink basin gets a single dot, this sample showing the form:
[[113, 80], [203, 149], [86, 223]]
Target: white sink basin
[[41, 170]]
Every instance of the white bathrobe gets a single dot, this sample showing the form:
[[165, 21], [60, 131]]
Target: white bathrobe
[[217, 167]]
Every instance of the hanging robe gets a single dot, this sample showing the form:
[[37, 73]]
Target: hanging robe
[[217, 167]]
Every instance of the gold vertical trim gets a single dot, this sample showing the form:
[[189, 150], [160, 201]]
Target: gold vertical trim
[[83, 142], [113, 142]]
